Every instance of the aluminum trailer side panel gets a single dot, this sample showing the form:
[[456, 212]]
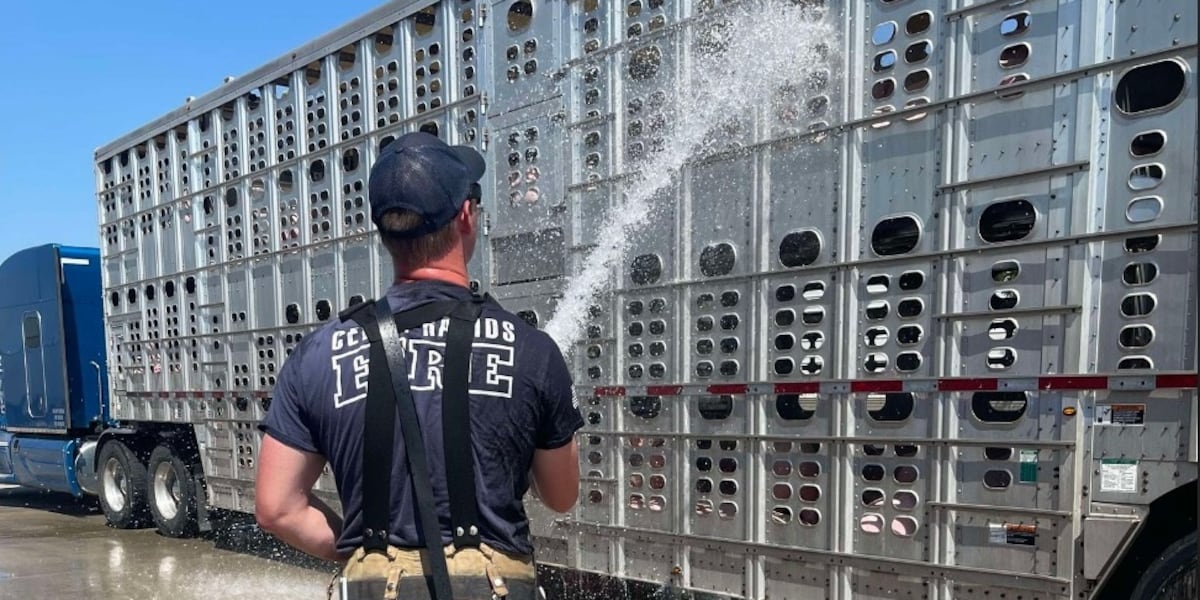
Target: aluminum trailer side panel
[[929, 331]]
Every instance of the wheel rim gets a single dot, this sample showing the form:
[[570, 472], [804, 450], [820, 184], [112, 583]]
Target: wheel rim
[[167, 493], [116, 484]]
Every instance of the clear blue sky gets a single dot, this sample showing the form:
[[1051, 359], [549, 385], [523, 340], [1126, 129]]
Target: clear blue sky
[[77, 75]]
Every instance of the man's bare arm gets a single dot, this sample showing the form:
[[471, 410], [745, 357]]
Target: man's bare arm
[[284, 504], [556, 476]]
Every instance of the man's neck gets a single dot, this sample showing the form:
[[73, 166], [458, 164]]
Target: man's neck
[[432, 273]]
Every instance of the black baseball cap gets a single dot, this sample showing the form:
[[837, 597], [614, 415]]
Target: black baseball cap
[[421, 173]]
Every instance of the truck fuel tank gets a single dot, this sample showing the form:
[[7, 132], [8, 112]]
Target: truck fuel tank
[[85, 468]]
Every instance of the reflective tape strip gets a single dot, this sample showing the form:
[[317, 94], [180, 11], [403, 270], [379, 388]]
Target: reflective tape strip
[[1182, 380], [798, 387], [967, 385], [728, 388], [1073, 382], [952, 384], [881, 385], [664, 390]]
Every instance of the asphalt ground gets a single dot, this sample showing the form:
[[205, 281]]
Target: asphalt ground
[[53, 545]]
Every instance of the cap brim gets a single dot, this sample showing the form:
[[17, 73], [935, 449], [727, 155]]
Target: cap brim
[[472, 159]]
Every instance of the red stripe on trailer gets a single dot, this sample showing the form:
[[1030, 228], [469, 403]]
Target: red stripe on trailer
[[798, 387], [880, 385], [1184, 380], [1073, 382], [197, 394], [728, 388], [967, 385], [164, 394], [609, 391], [664, 390]]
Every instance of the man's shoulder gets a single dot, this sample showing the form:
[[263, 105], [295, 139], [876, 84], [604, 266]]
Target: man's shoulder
[[321, 341]]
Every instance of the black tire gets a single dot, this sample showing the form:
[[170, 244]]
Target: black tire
[[122, 486], [171, 493], [1172, 576]]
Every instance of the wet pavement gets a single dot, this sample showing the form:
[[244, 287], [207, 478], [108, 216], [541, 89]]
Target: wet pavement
[[56, 546]]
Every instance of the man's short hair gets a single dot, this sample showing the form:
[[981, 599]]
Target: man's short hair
[[414, 251]]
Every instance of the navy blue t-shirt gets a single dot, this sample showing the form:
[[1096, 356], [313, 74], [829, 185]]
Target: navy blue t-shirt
[[521, 400]]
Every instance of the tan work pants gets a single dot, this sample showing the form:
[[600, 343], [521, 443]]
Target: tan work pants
[[483, 573]]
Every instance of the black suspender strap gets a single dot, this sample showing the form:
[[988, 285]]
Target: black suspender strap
[[387, 362], [388, 387], [456, 426]]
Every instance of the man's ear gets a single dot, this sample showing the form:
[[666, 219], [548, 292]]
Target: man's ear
[[463, 218]]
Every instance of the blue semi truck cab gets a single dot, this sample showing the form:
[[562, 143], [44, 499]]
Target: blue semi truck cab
[[53, 379]]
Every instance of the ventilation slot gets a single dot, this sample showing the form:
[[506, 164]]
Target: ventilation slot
[[897, 235], [999, 407], [1135, 362], [646, 407], [877, 310], [1014, 56], [1147, 144], [897, 406], [1015, 24], [1006, 271], [1137, 305], [1140, 273], [883, 89], [813, 291], [812, 340], [798, 249], [1007, 221], [918, 23], [1142, 210], [717, 260], [1136, 336], [1141, 244], [907, 362], [908, 335], [646, 269], [1001, 358], [878, 284], [917, 80], [884, 61], [912, 280], [1150, 87], [910, 308], [997, 479], [1145, 177], [884, 32], [715, 408], [1004, 300], [1002, 329], [918, 52]]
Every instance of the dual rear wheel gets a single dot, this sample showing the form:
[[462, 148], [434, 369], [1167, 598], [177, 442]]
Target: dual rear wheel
[[160, 491]]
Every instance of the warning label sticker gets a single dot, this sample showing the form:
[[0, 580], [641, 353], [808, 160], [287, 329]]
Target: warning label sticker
[[1121, 414], [1118, 475], [1016, 534]]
